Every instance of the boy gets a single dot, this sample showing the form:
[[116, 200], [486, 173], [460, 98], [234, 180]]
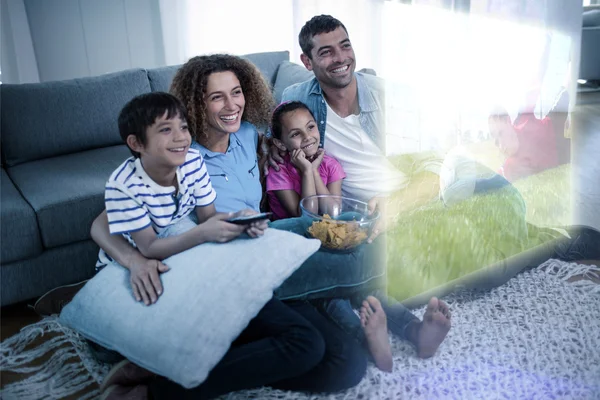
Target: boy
[[161, 185]]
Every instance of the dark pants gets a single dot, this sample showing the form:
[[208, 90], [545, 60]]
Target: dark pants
[[288, 346]]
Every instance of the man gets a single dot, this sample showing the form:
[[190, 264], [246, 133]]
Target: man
[[349, 110], [349, 106]]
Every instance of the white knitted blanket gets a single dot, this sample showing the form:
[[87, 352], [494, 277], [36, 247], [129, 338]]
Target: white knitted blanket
[[536, 337]]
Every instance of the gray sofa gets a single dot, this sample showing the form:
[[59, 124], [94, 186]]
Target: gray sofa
[[589, 66], [60, 142]]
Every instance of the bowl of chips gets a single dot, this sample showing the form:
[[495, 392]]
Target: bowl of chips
[[340, 223]]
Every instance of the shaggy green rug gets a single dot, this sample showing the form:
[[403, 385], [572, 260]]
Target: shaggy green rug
[[435, 244]]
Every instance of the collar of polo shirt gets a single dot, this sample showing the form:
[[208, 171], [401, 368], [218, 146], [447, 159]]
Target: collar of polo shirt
[[233, 143]]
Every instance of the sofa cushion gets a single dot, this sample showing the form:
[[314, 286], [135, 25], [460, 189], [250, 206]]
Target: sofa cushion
[[160, 78], [290, 73], [42, 120], [67, 192], [20, 234], [27, 279], [590, 18], [268, 63]]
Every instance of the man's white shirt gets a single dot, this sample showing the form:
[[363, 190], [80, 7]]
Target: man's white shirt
[[368, 171]]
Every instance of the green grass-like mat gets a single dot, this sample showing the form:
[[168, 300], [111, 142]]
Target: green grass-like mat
[[435, 244]]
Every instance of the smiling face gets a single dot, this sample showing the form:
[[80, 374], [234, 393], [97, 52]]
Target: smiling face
[[299, 131], [225, 103], [332, 59], [167, 143]]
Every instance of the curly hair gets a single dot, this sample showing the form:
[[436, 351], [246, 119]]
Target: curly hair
[[190, 81]]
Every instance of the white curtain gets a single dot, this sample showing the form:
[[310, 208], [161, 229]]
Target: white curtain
[[192, 27], [445, 69]]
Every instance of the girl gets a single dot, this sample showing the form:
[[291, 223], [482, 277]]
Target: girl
[[307, 170]]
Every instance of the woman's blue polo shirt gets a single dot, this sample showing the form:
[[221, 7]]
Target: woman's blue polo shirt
[[234, 175]]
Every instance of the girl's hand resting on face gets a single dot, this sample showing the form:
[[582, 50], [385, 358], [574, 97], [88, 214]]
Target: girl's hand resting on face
[[298, 159], [316, 163]]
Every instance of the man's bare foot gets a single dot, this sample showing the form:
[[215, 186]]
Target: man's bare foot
[[374, 323], [433, 329]]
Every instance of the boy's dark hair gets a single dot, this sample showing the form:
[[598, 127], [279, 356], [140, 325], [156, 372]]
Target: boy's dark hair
[[317, 25], [281, 110], [141, 112]]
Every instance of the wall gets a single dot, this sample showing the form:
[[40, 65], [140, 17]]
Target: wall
[[77, 38], [17, 58]]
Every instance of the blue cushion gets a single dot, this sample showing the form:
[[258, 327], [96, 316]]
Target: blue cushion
[[67, 192], [19, 226], [210, 294], [267, 63], [41, 120]]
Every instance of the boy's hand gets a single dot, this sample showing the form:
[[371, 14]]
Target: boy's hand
[[298, 159], [216, 229], [316, 163], [145, 281], [274, 158]]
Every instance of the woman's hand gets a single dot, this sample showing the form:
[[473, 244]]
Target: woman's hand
[[257, 229], [254, 229], [299, 160]]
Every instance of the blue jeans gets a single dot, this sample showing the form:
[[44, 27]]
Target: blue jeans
[[328, 274], [287, 346]]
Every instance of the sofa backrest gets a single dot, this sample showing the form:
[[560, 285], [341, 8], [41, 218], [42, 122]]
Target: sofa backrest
[[42, 120], [268, 63]]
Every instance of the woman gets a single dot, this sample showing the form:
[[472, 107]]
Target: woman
[[226, 98]]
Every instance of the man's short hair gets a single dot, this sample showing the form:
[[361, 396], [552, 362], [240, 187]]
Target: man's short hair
[[317, 25], [141, 112]]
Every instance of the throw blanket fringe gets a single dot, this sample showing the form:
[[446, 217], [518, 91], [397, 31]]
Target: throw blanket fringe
[[61, 375], [565, 271]]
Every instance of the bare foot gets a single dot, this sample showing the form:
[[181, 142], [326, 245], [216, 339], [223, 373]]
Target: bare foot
[[433, 329], [374, 323]]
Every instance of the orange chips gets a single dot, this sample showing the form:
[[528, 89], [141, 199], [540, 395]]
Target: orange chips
[[337, 235]]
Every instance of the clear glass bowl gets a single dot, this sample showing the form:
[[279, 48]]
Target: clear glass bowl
[[340, 223]]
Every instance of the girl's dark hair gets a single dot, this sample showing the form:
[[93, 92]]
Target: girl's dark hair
[[141, 112], [190, 81], [281, 110]]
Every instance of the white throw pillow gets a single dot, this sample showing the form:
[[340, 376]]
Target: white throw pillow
[[211, 293]]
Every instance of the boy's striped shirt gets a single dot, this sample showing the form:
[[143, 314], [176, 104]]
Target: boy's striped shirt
[[134, 201]]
